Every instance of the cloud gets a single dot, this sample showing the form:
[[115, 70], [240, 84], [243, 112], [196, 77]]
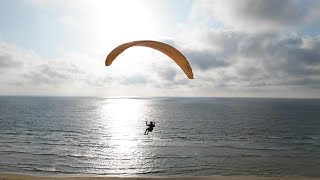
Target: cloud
[[45, 74], [239, 60], [253, 47], [12, 57], [205, 60], [234, 47], [7, 61], [134, 80], [258, 15], [21, 68], [25, 72]]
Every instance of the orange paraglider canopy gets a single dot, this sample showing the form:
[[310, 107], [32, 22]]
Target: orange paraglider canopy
[[170, 51]]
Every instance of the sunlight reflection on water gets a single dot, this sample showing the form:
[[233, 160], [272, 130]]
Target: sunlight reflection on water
[[124, 123]]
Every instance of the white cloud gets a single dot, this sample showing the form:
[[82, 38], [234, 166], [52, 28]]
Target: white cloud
[[258, 15], [12, 57], [24, 72], [239, 64], [245, 61], [250, 51]]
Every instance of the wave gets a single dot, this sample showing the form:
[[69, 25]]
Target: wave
[[217, 145], [66, 131], [51, 170], [295, 137], [79, 156]]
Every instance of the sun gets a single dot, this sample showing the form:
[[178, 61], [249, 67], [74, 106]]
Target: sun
[[121, 20]]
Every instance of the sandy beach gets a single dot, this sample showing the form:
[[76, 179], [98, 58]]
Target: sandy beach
[[16, 176]]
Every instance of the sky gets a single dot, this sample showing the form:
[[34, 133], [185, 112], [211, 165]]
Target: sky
[[236, 48]]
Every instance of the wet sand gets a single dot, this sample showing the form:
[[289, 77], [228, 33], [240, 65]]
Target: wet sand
[[16, 176]]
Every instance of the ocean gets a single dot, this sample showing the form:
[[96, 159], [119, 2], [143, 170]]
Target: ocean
[[192, 137]]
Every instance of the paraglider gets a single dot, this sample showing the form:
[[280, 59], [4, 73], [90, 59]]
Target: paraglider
[[150, 127], [170, 51]]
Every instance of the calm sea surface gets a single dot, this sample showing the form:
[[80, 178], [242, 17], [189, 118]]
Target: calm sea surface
[[193, 136]]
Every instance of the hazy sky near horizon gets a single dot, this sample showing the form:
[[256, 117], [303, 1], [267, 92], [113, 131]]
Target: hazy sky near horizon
[[267, 48]]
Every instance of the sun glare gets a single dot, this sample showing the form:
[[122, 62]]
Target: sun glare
[[120, 21], [124, 125], [124, 119]]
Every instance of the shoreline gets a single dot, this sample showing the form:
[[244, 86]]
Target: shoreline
[[20, 176]]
